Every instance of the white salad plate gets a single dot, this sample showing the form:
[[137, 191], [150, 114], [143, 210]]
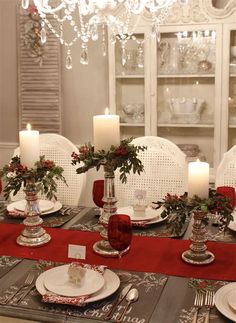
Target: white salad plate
[[56, 207], [158, 219], [44, 205], [222, 303], [57, 281], [111, 284], [147, 215]]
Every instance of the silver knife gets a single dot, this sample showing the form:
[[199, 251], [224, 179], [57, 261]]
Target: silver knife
[[118, 300]]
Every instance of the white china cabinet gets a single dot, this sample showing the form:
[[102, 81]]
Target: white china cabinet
[[183, 87]]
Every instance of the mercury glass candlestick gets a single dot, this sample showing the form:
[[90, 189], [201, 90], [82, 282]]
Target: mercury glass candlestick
[[103, 246], [198, 253], [33, 234]]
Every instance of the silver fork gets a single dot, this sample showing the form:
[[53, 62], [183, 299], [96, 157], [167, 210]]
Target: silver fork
[[209, 303], [28, 281], [198, 303]]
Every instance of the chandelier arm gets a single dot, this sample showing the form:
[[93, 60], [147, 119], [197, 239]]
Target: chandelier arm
[[46, 9]]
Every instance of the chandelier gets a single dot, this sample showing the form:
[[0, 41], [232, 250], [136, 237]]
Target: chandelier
[[87, 19]]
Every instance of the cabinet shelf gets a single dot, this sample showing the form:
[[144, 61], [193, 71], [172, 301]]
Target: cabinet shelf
[[161, 76], [233, 126], [138, 76], [186, 125], [132, 124]]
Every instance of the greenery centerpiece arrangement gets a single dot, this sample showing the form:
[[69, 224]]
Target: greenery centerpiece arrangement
[[42, 178], [45, 174], [123, 157], [179, 208]]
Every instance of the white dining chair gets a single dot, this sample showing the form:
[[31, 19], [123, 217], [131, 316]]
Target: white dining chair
[[226, 171], [165, 171], [58, 149]]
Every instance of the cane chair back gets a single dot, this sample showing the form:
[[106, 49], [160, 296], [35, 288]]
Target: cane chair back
[[226, 171], [59, 149], [165, 171]]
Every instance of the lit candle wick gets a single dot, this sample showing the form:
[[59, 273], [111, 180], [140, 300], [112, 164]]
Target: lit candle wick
[[28, 127], [106, 111]]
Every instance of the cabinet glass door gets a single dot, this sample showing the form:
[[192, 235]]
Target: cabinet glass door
[[232, 91], [186, 91], [130, 84]]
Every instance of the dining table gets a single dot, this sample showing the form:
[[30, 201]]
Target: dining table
[[166, 284]]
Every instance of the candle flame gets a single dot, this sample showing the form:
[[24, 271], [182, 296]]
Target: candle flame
[[106, 111], [28, 127], [198, 160]]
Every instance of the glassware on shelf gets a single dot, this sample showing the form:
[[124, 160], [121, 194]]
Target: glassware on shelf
[[131, 60], [188, 53], [232, 64], [233, 54], [133, 113], [120, 233], [186, 109]]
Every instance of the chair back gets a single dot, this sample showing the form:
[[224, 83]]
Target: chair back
[[59, 149], [165, 171], [226, 171]]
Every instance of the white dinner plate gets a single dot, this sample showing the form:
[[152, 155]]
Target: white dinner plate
[[44, 205], [112, 283], [147, 215], [10, 208], [232, 224], [57, 281], [231, 298], [221, 301], [158, 219]]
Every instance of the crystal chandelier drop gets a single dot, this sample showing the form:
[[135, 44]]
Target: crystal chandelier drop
[[86, 19]]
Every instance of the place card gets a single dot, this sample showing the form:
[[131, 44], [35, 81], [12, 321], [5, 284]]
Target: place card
[[76, 251]]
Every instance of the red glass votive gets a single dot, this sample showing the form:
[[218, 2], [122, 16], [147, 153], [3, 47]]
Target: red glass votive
[[98, 192], [229, 192], [119, 231]]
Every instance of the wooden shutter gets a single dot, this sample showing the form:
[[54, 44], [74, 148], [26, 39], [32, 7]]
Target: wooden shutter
[[39, 83]]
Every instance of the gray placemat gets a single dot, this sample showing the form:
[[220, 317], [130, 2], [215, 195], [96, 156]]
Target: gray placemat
[[176, 304], [7, 263], [90, 222], [52, 220], [188, 310], [149, 285]]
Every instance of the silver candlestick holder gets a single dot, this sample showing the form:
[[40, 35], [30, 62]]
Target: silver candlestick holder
[[198, 253], [33, 234], [103, 246]]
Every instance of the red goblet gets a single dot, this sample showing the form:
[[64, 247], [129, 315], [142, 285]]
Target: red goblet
[[120, 233], [229, 192], [98, 193]]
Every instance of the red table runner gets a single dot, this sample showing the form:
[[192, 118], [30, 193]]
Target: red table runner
[[147, 254]]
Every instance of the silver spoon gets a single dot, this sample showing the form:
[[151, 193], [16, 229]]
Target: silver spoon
[[131, 297], [118, 300]]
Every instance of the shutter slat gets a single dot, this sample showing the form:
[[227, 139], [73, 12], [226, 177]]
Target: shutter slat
[[39, 85]]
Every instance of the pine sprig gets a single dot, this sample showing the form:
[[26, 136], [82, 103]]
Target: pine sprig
[[124, 157], [179, 208], [45, 174]]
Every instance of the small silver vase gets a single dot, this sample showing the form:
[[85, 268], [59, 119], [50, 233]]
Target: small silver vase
[[33, 234], [198, 253]]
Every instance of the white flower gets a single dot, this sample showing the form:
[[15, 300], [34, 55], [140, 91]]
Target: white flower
[[11, 175]]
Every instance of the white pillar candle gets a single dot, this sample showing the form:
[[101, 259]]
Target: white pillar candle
[[106, 131], [29, 146], [198, 179]]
